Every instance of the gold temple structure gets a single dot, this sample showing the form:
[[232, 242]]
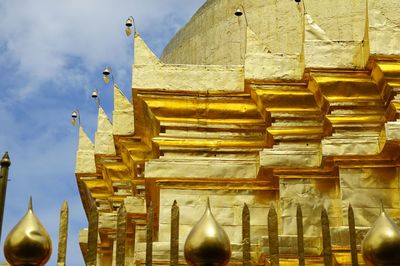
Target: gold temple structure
[[290, 104]]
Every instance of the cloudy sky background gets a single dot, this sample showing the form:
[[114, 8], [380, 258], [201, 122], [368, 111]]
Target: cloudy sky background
[[52, 54]]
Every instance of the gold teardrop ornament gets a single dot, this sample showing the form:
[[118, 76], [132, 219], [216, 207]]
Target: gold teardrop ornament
[[28, 243], [207, 242], [381, 245]]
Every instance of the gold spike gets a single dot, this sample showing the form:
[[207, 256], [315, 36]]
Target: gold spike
[[207, 242], [121, 236], [381, 245], [63, 235], [326, 238], [30, 205], [93, 236], [28, 243], [273, 237], [149, 235], [300, 235], [5, 161], [353, 237], [246, 235], [174, 252], [5, 165]]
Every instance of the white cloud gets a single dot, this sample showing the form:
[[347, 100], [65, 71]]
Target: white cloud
[[45, 38]]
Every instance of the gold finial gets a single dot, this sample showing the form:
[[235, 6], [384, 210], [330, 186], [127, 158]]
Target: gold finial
[[30, 207], [28, 243], [207, 243], [381, 245], [5, 161]]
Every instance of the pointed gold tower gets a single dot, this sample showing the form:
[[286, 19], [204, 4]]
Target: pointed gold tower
[[28, 243], [207, 243]]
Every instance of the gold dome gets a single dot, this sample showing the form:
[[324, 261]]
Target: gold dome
[[28, 243], [381, 245], [207, 243]]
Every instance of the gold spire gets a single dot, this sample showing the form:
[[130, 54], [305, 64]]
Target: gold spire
[[207, 243], [381, 245], [123, 115], [28, 243], [85, 162], [143, 54]]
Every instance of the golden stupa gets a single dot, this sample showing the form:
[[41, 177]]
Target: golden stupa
[[289, 103]]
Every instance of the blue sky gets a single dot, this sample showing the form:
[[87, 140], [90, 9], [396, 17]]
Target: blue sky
[[52, 54]]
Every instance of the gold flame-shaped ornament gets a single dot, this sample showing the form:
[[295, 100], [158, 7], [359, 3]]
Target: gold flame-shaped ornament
[[28, 243], [381, 245], [207, 243]]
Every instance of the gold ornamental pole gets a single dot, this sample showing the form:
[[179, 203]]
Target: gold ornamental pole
[[174, 252], [326, 238], [300, 236], [246, 235], [273, 237], [353, 236], [63, 235], [5, 164]]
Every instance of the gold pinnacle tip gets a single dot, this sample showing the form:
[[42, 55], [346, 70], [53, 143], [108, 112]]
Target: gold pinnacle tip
[[30, 204], [5, 161]]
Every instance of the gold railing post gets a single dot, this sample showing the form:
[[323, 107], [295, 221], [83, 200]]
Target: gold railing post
[[300, 236], [326, 238], [5, 164], [63, 235], [246, 235], [174, 251], [273, 237], [352, 232]]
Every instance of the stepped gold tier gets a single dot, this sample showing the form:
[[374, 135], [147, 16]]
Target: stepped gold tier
[[291, 105]]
